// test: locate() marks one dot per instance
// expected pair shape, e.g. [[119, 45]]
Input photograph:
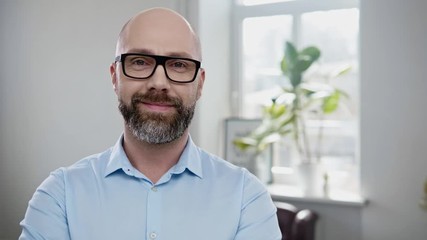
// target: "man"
[[154, 183]]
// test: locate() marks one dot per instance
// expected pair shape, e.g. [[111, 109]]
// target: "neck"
[[153, 160]]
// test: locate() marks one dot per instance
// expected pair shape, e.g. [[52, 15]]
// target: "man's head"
[[156, 75]]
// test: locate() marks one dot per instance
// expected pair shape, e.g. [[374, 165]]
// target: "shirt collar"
[[118, 159], [189, 159]]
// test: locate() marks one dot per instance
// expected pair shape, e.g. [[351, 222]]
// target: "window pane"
[[263, 46], [336, 32]]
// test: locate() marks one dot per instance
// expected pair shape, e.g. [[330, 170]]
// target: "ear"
[[113, 76], [200, 83]]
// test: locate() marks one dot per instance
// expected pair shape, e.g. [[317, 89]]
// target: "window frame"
[[295, 8]]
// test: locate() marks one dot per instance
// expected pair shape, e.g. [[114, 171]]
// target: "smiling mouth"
[[158, 106]]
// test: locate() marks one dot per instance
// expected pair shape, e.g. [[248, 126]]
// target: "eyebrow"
[[170, 54]]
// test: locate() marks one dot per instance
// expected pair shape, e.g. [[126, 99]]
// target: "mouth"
[[158, 106]]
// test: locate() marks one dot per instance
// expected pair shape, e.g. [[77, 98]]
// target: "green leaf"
[[244, 143], [295, 78], [291, 54], [302, 64], [306, 58], [307, 92], [275, 110], [278, 110], [330, 104], [271, 138], [341, 72], [312, 52], [286, 98], [284, 66]]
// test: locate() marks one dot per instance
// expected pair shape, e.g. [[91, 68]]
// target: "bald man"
[[154, 183]]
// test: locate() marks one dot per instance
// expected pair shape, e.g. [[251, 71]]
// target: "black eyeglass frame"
[[160, 60]]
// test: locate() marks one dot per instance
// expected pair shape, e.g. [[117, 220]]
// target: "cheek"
[[191, 96], [126, 89], [198, 91]]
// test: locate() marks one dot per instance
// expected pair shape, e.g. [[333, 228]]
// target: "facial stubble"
[[153, 127]]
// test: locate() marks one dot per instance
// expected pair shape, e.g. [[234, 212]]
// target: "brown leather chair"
[[296, 224]]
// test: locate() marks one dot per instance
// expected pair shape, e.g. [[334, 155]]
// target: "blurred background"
[[57, 104]]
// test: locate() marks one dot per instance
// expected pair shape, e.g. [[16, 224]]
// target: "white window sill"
[[281, 192]]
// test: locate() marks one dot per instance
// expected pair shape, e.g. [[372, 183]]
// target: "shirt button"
[[154, 189], [153, 235]]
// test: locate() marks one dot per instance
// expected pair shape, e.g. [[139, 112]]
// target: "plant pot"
[[311, 179]]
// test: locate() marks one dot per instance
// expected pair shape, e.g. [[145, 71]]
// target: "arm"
[[258, 213], [46, 216]]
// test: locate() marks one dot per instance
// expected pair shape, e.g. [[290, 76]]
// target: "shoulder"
[[219, 168], [214, 163], [87, 167], [95, 163]]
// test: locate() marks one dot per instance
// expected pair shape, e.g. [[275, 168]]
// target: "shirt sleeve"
[[258, 213], [45, 217]]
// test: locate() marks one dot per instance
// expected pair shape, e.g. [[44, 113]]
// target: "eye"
[[139, 61], [179, 64]]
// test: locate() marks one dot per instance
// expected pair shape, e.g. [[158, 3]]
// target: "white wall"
[[214, 30], [393, 118], [56, 99]]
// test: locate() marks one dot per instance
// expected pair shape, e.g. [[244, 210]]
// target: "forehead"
[[161, 36]]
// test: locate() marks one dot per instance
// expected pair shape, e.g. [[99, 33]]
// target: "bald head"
[[159, 31]]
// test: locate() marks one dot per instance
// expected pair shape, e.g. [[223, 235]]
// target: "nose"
[[159, 80]]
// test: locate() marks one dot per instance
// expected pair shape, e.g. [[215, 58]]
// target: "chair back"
[[296, 224]]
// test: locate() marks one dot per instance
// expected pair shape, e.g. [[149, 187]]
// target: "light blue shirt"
[[104, 197]]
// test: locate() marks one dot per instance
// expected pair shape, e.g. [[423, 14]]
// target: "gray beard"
[[156, 128]]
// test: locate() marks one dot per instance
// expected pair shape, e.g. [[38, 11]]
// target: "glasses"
[[143, 66]]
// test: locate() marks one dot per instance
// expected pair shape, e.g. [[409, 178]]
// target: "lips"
[[156, 102], [158, 106], [161, 104]]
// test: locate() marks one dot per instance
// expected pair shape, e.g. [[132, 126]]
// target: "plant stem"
[[320, 140], [305, 139], [295, 112], [301, 138]]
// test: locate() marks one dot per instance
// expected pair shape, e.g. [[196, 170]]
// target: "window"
[[260, 30]]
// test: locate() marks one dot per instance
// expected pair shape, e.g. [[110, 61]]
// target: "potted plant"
[[287, 113]]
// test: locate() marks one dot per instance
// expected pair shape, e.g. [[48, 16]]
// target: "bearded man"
[[154, 183]]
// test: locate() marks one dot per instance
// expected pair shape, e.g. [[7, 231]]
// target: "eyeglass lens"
[[177, 69]]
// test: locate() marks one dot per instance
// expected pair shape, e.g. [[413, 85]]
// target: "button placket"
[[154, 212]]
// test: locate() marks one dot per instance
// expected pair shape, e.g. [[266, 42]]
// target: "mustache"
[[155, 97]]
